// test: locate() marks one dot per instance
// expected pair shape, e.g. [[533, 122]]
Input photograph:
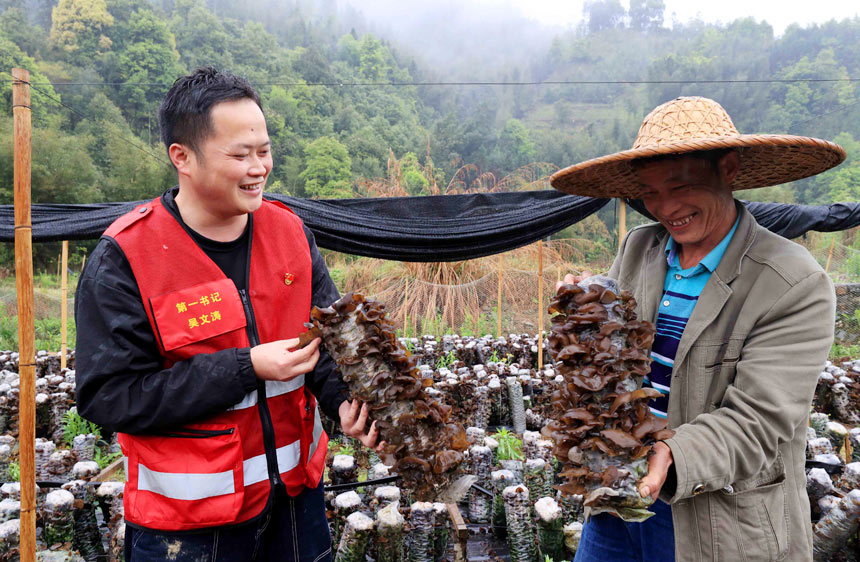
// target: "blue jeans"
[[606, 538], [292, 530]]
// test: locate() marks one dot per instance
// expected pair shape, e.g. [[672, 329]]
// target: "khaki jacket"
[[742, 385]]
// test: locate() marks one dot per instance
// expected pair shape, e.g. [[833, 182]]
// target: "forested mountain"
[[348, 100]]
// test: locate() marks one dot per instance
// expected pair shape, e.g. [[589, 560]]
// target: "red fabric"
[[178, 282]]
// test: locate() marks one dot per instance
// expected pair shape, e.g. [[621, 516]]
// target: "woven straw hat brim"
[[765, 160]]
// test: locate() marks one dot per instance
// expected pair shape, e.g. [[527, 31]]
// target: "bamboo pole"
[[26, 328], [64, 300], [83, 263], [829, 255], [540, 305], [622, 220], [499, 302]]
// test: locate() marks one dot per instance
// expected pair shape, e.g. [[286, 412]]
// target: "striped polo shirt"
[[681, 291]]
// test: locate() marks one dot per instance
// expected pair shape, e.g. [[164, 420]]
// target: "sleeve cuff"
[[247, 375]]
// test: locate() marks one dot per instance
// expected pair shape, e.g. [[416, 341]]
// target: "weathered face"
[[228, 171], [692, 200]]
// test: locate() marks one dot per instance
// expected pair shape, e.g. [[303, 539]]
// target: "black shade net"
[[792, 221], [429, 229]]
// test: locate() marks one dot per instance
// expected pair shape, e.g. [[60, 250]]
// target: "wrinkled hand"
[[658, 468], [353, 420], [571, 279], [277, 361]]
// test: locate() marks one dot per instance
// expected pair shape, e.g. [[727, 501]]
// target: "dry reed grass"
[[457, 296]]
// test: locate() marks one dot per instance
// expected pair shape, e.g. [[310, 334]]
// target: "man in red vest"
[[188, 314]]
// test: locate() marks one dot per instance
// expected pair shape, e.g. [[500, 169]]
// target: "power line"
[[88, 118], [487, 83]]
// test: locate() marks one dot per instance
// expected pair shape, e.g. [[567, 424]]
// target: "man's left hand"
[[353, 420], [658, 468]]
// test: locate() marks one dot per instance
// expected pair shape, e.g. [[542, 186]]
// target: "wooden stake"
[[83, 263], [405, 304], [540, 305], [499, 302], [26, 326], [830, 255], [622, 220], [64, 299]]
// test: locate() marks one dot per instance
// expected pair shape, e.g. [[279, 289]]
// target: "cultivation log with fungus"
[[422, 441], [602, 426]]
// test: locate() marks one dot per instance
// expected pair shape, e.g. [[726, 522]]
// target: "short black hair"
[[184, 114]]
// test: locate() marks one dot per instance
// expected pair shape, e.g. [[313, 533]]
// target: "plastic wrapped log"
[[818, 484], [499, 411], [10, 532], [475, 435], [544, 449], [356, 535], [571, 507], [818, 446], [534, 477], [840, 399], [836, 527], [441, 531], [549, 529], [5, 459], [43, 415], [421, 518], [850, 477], [422, 442], [44, 449], [59, 464], [572, 534], [345, 504], [836, 433], [9, 509], [59, 518], [827, 503], [534, 420], [379, 470], [111, 494], [84, 446], [389, 534], [500, 479], [530, 439], [602, 425], [385, 495], [521, 536], [482, 406], [343, 469], [818, 422], [480, 504], [516, 405]]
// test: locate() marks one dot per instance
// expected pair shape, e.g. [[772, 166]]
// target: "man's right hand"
[[571, 279], [276, 361]]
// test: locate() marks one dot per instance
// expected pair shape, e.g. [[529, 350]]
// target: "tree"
[[78, 29], [646, 15], [327, 169], [603, 14]]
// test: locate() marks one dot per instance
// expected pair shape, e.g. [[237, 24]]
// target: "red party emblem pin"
[[289, 278]]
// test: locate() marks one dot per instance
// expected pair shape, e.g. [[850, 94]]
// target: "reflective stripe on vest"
[[273, 388], [185, 486], [197, 486]]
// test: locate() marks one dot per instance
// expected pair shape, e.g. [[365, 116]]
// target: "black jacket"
[[121, 384]]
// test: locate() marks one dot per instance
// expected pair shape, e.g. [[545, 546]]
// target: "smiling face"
[[225, 176], [692, 199]]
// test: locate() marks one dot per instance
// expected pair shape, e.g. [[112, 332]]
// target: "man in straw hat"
[[744, 325]]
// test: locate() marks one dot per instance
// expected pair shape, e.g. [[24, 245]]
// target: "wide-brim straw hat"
[[691, 124]]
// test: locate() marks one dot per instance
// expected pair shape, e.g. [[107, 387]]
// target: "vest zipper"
[[262, 405]]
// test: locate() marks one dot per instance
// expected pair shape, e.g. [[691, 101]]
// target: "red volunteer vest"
[[216, 472]]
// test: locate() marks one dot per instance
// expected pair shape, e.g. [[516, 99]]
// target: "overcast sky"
[[779, 13]]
